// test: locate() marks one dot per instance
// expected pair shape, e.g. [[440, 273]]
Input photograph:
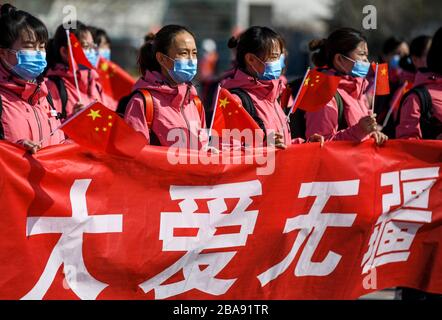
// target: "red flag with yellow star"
[[100, 129], [382, 81], [78, 54], [229, 114], [316, 91], [116, 82]]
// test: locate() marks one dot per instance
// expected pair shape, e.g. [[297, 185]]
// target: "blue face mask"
[[272, 69], [282, 58], [394, 62], [105, 53], [30, 64], [360, 68], [184, 70], [92, 56]]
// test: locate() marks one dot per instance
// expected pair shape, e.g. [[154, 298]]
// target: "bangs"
[[39, 29], [33, 29], [268, 44]]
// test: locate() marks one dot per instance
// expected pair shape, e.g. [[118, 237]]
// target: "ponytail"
[[160, 42]]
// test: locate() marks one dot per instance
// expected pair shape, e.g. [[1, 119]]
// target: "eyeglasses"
[[89, 46]]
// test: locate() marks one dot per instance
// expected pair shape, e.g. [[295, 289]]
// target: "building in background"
[[128, 21]]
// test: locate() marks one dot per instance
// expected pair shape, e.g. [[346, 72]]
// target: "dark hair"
[[341, 41], [407, 64], [159, 42], [60, 40], [14, 22], [434, 60], [418, 46], [391, 44], [99, 34], [255, 40]]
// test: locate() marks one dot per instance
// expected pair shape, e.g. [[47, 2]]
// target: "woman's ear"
[[253, 64], [7, 56], [64, 54], [3, 53], [163, 60], [250, 59], [340, 63]]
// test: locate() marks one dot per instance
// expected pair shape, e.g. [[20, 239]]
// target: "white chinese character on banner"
[[69, 248], [394, 231], [207, 223], [312, 227]]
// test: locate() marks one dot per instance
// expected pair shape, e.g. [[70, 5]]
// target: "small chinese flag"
[[116, 82], [100, 129], [78, 53], [316, 91], [382, 81], [229, 114]]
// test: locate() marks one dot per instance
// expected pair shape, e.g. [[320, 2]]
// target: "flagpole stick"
[[214, 111], [375, 87], [299, 91], [393, 104], [66, 122], [74, 69]]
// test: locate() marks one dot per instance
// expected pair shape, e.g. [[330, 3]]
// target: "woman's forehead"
[[184, 39], [28, 35], [86, 36], [362, 46]]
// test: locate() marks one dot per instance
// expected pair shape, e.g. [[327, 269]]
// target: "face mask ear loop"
[[257, 73]]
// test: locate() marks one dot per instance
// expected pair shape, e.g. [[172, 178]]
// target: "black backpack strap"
[[342, 123], [61, 87], [50, 100], [425, 101], [247, 103], [2, 132], [430, 125]]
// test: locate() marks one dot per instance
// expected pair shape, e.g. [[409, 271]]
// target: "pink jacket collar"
[[263, 90], [155, 82], [84, 76], [427, 78]]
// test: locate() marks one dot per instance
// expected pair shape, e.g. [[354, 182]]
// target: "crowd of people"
[[38, 90]]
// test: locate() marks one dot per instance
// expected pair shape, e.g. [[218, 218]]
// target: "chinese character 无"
[[312, 227]]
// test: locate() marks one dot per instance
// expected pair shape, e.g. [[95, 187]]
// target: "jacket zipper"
[[279, 118], [37, 118], [182, 112]]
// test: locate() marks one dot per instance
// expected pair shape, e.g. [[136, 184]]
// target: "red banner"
[[335, 222]]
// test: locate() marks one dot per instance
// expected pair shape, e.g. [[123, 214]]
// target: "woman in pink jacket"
[[168, 61], [421, 109], [259, 64], [27, 114], [344, 53], [61, 82]]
